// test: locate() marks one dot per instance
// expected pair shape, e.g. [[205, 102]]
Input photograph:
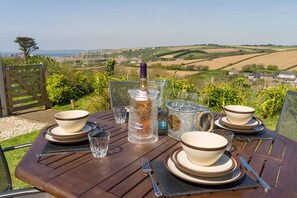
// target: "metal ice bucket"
[[185, 117]]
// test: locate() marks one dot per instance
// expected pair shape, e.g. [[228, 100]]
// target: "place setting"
[[242, 122], [240, 119], [72, 133], [201, 164], [72, 127]]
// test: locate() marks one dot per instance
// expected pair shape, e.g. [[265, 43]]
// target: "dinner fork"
[[147, 169]]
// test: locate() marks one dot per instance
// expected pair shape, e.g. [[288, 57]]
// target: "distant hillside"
[[201, 56]]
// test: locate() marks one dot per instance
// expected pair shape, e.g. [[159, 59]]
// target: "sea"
[[52, 53]]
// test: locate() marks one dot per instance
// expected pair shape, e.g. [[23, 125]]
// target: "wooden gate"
[[23, 88]]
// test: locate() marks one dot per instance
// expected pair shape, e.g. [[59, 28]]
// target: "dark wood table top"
[[120, 175]]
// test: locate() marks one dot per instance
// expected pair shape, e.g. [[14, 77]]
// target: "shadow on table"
[[114, 150]]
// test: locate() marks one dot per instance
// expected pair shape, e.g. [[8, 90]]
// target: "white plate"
[[232, 177], [254, 122], [222, 167], [56, 132], [241, 131], [66, 141]]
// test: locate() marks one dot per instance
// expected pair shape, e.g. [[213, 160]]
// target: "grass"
[[13, 157], [82, 103]]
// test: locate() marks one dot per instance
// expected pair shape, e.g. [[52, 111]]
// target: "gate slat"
[[19, 108], [27, 74], [21, 89], [29, 80], [24, 100]]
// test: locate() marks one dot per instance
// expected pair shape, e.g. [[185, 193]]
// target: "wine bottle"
[[143, 105]]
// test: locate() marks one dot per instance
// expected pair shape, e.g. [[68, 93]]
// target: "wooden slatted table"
[[120, 175]]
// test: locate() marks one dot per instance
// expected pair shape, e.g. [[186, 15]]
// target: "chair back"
[[5, 179], [287, 123], [119, 95], [118, 90]]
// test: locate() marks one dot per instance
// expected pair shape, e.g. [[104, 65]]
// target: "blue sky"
[[102, 24]]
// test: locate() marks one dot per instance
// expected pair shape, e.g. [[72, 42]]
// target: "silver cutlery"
[[147, 169], [262, 182]]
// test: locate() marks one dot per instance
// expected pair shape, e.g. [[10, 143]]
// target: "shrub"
[[222, 94], [272, 99], [181, 85], [241, 83], [58, 88], [12, 61], [272, 67], [252, 68], [82, 84], [110, 66], [98, 103], [61, 88], [100, 83]]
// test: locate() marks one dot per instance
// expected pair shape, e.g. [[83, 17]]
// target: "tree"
[[110, 67], [27, 45]]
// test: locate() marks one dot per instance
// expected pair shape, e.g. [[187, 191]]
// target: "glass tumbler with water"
[[99, 141]]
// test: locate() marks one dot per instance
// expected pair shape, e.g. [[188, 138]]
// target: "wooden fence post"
[[3, 91], [45, 75]]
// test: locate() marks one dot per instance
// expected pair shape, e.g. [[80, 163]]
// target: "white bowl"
[[238, 114], [72, 121], [203, 148]]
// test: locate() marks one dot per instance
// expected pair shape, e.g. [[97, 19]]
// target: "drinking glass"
[[120, 114], [99, 141], [226, 134]]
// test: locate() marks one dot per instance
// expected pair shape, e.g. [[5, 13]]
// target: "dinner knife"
[[262, 182]]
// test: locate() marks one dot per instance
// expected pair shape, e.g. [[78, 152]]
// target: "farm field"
[[220, 50], [213, 64], [283, 60], [178, 61], [224, 61]]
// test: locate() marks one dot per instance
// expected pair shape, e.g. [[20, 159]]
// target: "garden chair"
[[119, 95], [287, 123], [118, 91], [6, 189]]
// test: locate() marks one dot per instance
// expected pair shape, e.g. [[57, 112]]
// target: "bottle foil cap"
[[143, 70]]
